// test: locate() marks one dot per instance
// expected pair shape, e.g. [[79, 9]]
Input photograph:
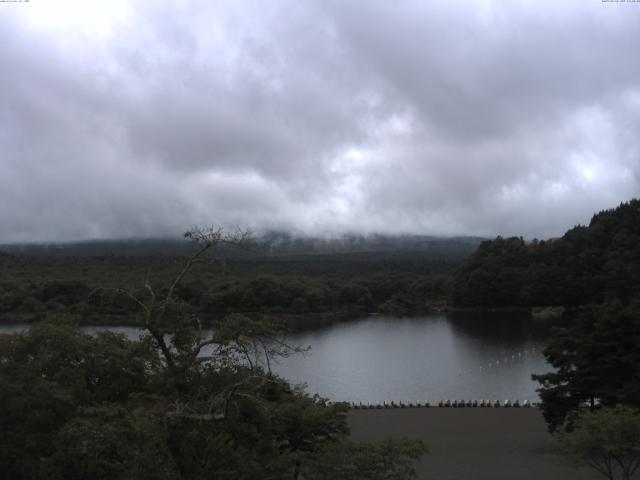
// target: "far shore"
[[473, 443], [293, 321]]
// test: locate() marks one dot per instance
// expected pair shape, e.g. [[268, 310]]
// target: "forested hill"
[[587, 264], [268, 245]]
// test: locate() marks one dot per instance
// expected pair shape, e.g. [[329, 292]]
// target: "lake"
[[457, 356]]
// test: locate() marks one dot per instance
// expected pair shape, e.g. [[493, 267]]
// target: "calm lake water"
[[457, 356]]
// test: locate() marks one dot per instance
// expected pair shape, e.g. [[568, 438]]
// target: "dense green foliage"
[[586, 265], [597, 362], [595, 272], [177, 404], [607, 440], [76, 406], [33, 288]]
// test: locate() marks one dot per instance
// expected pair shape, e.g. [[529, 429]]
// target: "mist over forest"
[[270, 244], [319, 240]]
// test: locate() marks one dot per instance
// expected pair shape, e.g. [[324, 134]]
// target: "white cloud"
[[121, 118]]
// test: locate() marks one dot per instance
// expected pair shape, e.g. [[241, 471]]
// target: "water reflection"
[[424, 358], [466, 355], [499, 327]]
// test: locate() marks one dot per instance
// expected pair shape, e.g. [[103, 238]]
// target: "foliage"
[[300, 289], [52, 372], [586, 265], [593, 270], [180, 403], [607, 440], [596, 361]]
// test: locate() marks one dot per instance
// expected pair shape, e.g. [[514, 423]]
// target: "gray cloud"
[[443, 118]]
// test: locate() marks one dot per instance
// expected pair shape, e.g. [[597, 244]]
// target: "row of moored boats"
[[444, 404]]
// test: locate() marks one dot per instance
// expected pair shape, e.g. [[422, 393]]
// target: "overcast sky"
[[142, 118]]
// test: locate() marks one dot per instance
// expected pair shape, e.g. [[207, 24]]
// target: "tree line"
[[179, 403], [591, 400], [35, 287], [588, 264]]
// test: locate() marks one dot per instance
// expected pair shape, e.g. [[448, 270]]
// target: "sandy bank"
[[473, 443]]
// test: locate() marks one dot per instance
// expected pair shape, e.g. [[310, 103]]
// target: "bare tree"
[[235, 342]]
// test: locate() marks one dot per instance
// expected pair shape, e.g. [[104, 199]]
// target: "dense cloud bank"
[[143, 118]]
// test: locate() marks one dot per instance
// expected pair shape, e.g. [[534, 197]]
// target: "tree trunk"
[[296, 470]]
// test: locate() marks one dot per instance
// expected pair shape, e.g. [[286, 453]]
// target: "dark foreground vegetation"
[[75, 406], [594, 273], [592, 398], [177, 404]]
